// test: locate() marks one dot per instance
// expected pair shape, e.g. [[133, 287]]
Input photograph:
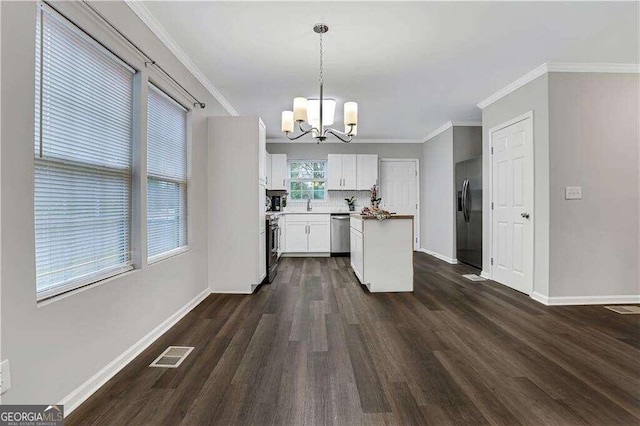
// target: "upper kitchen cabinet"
[[268, 171], [342, 171], [262, 151], [278, 180], [367, 171]]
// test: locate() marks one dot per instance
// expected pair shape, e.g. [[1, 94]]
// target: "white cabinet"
[[367, 171], [307, 233], [341, 171], [236, 224], [319, 237], [278, 180], [262, 152], [357, 253], [268, 170], [296, 237]]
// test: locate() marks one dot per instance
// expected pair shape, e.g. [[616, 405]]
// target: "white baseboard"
[[485, 275], [85, 390], [585, 300], [439, 256]]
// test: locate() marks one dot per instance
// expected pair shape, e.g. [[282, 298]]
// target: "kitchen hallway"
[[315, 347]]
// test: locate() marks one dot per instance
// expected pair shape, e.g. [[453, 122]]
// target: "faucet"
[[309, 208]]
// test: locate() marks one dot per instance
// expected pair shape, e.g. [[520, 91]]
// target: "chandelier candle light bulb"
[[318, 113], [287, 121]]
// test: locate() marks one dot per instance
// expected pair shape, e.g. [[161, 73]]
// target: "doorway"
[[400, 190], [512, 203]]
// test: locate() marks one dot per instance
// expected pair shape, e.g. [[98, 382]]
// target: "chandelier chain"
[[321, 64]]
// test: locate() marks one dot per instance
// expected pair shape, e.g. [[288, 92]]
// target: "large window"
[[166, 175], [83, 149], [307, 180]]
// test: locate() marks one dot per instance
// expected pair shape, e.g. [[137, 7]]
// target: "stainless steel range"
[[273, 241]]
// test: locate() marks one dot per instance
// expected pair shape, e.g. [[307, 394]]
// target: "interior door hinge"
[[492, 150], [492, 260], [492, 205]]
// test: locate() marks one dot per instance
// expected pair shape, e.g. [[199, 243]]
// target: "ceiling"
[[411, 66]]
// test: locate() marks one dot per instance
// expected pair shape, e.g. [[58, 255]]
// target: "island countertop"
[[393, 216]]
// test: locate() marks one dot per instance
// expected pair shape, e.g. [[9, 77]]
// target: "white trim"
[[594, 67], [85, 390], [416, 217], [436, 132], [168, 254], [154, 25], [486, 275], [559, 67], [585, 300], [519, 118], [307, 254], [439, 256], [467, 123], [355, 141]]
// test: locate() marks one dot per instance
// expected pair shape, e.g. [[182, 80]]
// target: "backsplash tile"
[[336, 199]]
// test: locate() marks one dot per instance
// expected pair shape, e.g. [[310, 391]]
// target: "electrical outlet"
[[5, 376], [573, 193]]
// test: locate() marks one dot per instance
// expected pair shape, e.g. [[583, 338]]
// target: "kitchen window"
[[166, 175], [83, 159], [307, 180]]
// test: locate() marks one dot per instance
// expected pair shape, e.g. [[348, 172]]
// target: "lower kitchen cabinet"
[[307, 233], [357, 258]]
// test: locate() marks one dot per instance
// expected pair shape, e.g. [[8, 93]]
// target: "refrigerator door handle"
[[465, 186], [467, 202]]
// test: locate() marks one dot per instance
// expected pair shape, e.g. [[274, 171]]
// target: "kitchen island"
[[382, 252]]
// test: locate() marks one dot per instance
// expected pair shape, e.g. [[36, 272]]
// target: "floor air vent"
[[172, 357], [625, 310], [474, 277]]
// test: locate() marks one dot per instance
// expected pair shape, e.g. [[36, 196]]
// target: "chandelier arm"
[[296, 137], [338, 134]]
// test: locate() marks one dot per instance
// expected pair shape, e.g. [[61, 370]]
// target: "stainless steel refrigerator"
[[469, 212]]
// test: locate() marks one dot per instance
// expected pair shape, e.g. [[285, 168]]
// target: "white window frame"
[[290, 180], [86, 280], [188, 150]]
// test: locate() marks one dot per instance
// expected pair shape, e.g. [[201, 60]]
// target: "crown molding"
[[467, 123], [156, 27], [355, 141], [436, 132], [559, 67]]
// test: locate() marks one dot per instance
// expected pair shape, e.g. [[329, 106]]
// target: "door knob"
[[525, 215]]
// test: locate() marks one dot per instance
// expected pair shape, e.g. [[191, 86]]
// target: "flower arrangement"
[[376, 212], [375, 200]]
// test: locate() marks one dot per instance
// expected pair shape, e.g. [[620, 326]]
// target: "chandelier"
[[318, 113]]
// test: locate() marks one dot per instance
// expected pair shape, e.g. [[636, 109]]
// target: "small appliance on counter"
[[276, 203]]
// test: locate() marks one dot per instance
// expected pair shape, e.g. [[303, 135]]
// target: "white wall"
[[438, 201], [54, 348], [586, 129], [533, 96], [594, 132]]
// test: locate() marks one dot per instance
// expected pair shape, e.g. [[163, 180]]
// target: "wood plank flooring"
[[315, 347]]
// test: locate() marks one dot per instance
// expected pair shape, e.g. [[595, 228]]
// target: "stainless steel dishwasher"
[[340, 242]]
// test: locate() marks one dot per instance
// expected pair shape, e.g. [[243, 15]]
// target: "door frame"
[[517, 119], [416, 242]]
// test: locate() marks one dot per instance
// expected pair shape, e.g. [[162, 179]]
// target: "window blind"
[[166, 174], [83, 149]]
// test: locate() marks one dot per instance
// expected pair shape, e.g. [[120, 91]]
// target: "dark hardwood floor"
[[316, 348]]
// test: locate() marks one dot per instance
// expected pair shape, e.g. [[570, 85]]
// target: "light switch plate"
[[573, 193], [5, 376]]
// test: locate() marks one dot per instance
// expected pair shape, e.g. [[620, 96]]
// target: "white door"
[[367, 171], [278, 171], [512, 221], [334, 171], [319, 237], [296, 237], [399, 190], [349, 171]]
